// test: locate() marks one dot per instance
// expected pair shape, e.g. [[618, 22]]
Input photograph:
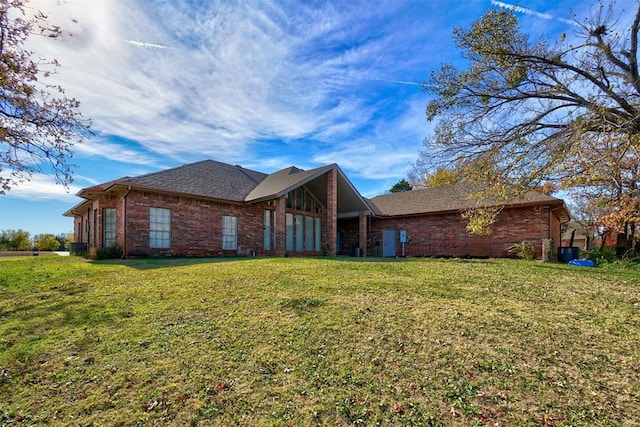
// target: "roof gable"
[[281, 182]]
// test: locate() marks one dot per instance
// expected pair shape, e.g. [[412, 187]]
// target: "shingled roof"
[[444, 199], [222, 181], [207, 178]]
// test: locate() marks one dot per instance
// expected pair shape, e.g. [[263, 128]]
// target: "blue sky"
[[262, 84]]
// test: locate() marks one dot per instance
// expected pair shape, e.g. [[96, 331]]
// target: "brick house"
[[210, 208]]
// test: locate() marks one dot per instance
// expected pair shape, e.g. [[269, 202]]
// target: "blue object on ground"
[[582, 263]]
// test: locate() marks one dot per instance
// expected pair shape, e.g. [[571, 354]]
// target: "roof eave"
[[74, 210], [123, 185]]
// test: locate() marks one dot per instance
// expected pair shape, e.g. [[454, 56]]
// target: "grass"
[[286, 341]]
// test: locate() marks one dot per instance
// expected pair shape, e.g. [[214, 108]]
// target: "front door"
[[389, 242]]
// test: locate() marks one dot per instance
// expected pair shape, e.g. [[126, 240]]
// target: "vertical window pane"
[[229, 232], [109, 227], [289, 231], [159, 228], [308, 236], [267, 230], [299, 196], [318, 232], [299, 233]]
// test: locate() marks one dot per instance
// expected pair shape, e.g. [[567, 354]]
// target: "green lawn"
[[287, 341]]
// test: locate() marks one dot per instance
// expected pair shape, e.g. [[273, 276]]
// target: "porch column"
[[280, 243], [363, 234], [332, 211]]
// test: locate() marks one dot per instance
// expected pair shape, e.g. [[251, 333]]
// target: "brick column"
[[280, 242], [332, 211], [363, 234]]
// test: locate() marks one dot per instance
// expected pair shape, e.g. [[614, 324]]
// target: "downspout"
[[124, 222]]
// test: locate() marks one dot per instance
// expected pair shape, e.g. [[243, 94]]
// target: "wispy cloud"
[[388, 150], [43, 187], [530, 12], [145, 45], [103, 147], [400, 82], [235, 73], [521, 9]]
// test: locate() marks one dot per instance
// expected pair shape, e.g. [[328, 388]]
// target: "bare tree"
[[527, 112], [38, 124]]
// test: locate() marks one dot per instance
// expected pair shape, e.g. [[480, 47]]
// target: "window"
[[308, 236], [299, 194], [318, 231], [268, 229], [299, 235], [301, 200], [289, 231], [94, 236], [159, 228], [229, 233], [109, 227], [303, 231]]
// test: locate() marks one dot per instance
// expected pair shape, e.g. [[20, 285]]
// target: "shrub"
[[110, 252], [524, 250], [601, 255]]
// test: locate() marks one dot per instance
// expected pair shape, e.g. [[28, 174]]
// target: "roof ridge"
[[245, 173], [167, 170]]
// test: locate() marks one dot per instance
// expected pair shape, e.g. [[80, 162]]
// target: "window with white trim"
[[159, 228], [229, 232]]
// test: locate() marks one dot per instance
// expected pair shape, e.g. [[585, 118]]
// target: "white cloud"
[[42, 187], [530, 12], [100, 147], [217, 79], [145, 45], [521, 9], [388, 150], [233, 73]]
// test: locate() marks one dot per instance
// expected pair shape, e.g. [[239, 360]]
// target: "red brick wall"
[[83, 226], [329, 224], [196, 226], [446, 234], [79, 234], [348, 228]]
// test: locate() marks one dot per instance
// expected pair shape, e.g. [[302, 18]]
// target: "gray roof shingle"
[[443, 199], [207, 178]]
